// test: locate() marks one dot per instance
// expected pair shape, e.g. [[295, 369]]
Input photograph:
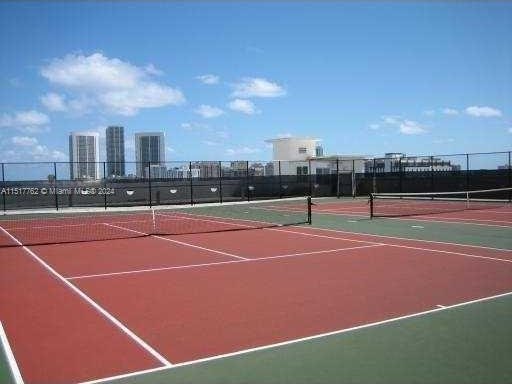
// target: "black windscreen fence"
[[61, 185]]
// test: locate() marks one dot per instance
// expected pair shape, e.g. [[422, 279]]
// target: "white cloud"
[[409, 127], [244, 106], [208, 79], [194, 126], [58, 103], [429, 112], [450, 111], [54, 102], [24, 141], [510, 130], [374, 126], [25, 148], [170, 149], [483, 111], [406, 127], [241, 151], [208, 112], [210, 143], [116, 86], [257, 87], [152, 70], [222, 134], [392, 120], [27, 121]]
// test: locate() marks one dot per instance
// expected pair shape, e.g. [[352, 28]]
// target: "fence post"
[[374, 180], [220, 182], [509, 175], [105, 185], [310, 178], [280, 180], [400, 175], [337, 177], [149, 185], [3, 186], [191, 183], [247, 191], [432, 188], [56, 194], [467, 172], [354, 185]]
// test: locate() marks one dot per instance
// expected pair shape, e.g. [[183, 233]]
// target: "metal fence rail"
[[64, 184]]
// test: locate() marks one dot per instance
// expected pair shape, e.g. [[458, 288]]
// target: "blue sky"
[[220, 78]]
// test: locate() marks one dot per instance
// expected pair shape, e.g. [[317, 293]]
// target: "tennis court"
[[270, 291]]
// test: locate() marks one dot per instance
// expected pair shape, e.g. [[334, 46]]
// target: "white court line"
[[413, 218], [405, 246], [394, 245], [418, 226], [77, 225], [15, 371], [402, 238], [280, 229], [440, 306], [179, 242], [222, 262], [426, 218], [95, 305], [299, 340], [361, 234]]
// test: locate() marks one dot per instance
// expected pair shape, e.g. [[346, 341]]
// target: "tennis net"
[[55, 228], [416, 204]]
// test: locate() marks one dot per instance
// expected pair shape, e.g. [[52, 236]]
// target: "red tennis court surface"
[[85, 311], [497, 216]]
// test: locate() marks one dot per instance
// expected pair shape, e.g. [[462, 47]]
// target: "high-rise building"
[[115, 151], [84, 156], [149, 149]]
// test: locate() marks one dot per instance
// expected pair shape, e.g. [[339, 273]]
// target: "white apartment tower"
[[84, 156], [149, 149]]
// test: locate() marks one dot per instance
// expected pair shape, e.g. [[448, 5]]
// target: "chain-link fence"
[[64, 184]]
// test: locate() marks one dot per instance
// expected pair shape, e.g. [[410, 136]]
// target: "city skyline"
[[343, 71]]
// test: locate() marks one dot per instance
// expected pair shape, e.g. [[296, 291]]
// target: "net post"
[[310, 178], [3, 186], [105, 185], [337, 177], [191, 183], [55, 178], [247, 180], [149, 184], [371, 206], [220, 182], [280, 180], [309, 209]]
